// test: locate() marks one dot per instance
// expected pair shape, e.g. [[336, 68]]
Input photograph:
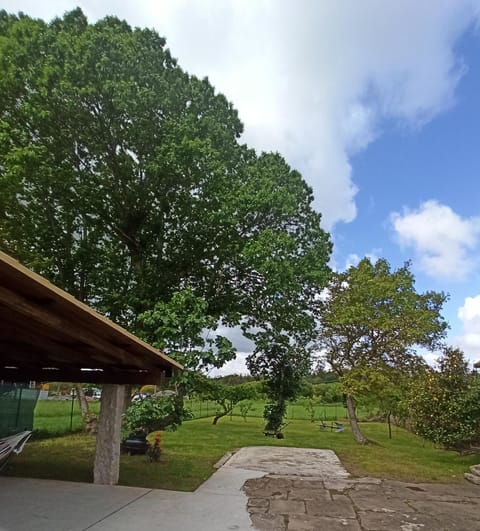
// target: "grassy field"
[[300, 410], [188, 455], [56, 418]]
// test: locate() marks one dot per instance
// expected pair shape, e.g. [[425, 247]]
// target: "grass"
[[299, 410], [56, 418], [188, 455]]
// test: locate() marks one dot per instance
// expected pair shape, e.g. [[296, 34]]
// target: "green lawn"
[[188, 455], [298, 410], [56, 418]]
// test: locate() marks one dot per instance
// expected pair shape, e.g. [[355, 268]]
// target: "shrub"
[[155, 414], [444, 405]]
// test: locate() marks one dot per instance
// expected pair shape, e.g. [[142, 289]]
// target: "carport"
[[48, 335]]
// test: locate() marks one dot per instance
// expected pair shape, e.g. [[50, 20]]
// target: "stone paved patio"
[[294, 503]]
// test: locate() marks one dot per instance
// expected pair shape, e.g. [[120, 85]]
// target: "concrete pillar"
[[107, 455]]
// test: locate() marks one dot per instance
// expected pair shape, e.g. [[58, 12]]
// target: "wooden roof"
[[48, 335]]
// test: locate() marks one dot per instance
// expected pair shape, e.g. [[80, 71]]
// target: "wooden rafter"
[[48, 335]]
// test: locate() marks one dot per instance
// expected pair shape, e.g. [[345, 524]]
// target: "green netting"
[[17, 404]]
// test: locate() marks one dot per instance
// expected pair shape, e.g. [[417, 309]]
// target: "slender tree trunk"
[[218, 416], [82, 401], [128, 397], [89, 419], [359, 437], [389, 425]]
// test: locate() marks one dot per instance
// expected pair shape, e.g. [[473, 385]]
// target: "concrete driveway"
[[271, 488]]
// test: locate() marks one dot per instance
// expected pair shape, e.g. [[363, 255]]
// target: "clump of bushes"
[[444, 403]]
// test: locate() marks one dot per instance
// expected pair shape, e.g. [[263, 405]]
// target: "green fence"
[[17, 405]]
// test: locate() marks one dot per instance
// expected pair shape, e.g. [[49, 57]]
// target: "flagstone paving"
[[294, 503]]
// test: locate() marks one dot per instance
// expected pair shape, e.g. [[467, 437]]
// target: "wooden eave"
[[48, 335]]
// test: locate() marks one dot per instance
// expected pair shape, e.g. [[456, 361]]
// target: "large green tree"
[[372, 320], [123, 181]]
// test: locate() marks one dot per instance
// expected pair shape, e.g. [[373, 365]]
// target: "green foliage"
[[245, 407], [123, 179], [328, 393], [153, 414], [306, 389], [226, 396], [123, 182], [234, 379], [372, 319], [274, 413], [444, 405], [182, 328], [283, 360]]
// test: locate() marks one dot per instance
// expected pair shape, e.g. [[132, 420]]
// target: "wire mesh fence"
[[300, 411]]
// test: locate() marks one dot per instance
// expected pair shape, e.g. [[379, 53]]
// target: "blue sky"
[[405, 168], [376, 103]]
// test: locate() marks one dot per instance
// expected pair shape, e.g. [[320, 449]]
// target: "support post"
[[107, 455]]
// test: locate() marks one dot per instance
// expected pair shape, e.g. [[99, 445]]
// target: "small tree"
[[444, 405], [245, 407], [384, 391], [371, 321], [283, 361], [227, 396]]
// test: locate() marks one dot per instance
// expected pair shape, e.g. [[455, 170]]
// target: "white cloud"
[[236, 366], [353, 259], [315, 82], [469, 315], [311, 79], [444, 242]]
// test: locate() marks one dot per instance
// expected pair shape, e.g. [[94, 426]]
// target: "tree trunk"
[[389, 425], [90, 424], [82, 401], [359, 437], [128, 397], [218, 416]]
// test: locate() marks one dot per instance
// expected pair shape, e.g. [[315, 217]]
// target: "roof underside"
[[47, 335]]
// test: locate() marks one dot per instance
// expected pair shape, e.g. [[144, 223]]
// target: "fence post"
[[71, 411], [17, 416]]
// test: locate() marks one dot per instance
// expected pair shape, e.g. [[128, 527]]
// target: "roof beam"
[[27, 374], [46, 318]]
